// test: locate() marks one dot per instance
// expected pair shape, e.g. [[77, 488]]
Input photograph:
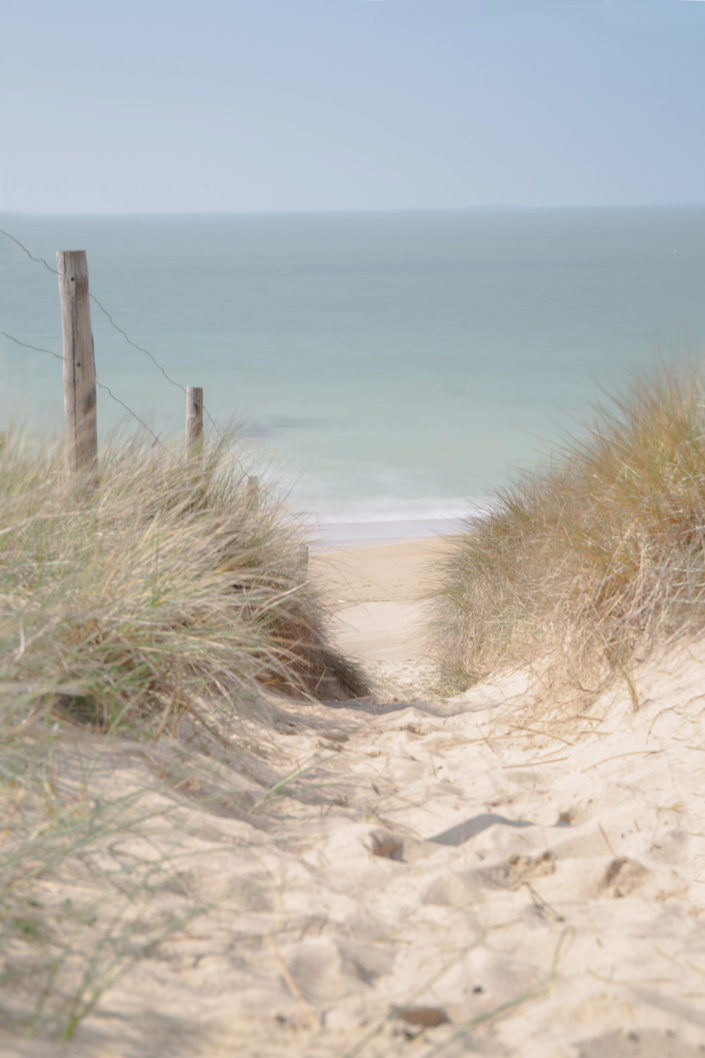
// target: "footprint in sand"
[[623, 876], [517, 869]]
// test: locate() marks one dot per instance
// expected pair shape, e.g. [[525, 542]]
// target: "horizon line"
[[497, 207]]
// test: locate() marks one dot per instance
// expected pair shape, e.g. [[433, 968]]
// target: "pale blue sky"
[[167, 105]]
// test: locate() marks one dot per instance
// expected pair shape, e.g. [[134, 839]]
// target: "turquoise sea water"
[[386, 366]]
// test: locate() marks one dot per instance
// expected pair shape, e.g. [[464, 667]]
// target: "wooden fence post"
[[79, 364], [194, 418]]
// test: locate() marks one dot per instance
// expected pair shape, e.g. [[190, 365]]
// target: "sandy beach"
[[408, 874], [378, 601]]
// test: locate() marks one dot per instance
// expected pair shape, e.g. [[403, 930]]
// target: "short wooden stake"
[[194, 418], [79, 364]]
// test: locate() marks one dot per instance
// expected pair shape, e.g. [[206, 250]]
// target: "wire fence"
[[101, 385], [119, 330]]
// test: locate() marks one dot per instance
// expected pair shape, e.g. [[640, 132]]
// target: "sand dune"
[[416, 877]]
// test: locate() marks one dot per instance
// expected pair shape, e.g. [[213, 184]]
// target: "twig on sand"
[[292, 985], [534, 763], [618, 756], [607, 841]]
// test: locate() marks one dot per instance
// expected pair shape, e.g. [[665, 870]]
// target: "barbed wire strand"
[[34, 348], [101, 385], [39, 260], [123, 333]]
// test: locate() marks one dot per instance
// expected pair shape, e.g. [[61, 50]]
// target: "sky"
[[289, 105]]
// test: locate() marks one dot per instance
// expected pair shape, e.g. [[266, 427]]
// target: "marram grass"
[[170, 592], [170, 582], [586, 566]]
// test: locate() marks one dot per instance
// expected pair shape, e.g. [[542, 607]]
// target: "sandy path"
[[432, 878], [379, 599]]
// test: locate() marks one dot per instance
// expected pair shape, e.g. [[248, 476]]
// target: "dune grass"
[[171, 592], [169, 583], [78, 905], [587, 565]]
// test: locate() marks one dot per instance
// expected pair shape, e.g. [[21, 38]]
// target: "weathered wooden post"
[[79, 365], [194, 419]]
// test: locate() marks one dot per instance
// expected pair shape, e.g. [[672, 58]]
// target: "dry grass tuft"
[[169, 592], [588, 565], [168, 584]]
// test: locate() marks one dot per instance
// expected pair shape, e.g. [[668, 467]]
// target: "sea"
[[388, 372]]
